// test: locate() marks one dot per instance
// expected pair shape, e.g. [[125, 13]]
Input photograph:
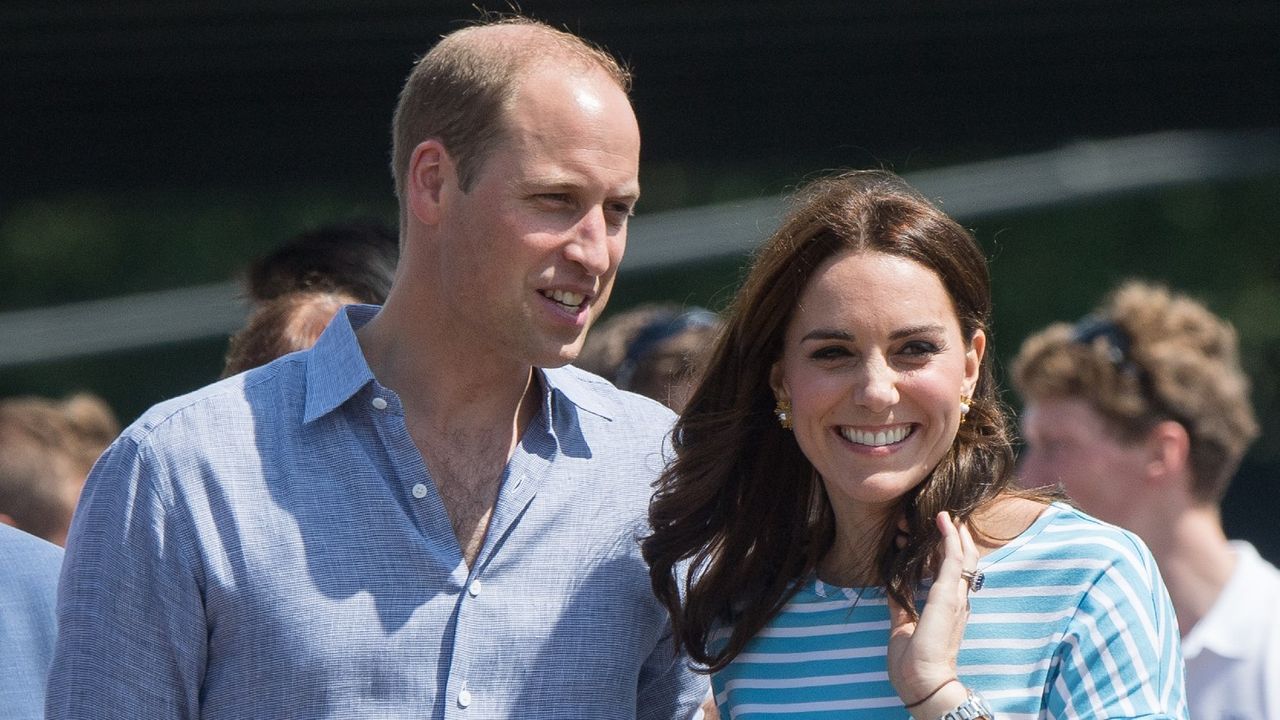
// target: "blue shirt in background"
[[272, 546], [28, 586]]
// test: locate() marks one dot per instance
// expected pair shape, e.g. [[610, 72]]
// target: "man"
[[28, 581], [425, 515], [1142, 412]]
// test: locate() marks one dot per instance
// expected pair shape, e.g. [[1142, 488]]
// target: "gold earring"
[[783, 411], [965, 405]]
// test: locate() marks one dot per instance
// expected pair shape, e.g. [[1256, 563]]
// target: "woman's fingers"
[[923, 654], [900, 622], [953, 555], [946, 607], [969, 548]]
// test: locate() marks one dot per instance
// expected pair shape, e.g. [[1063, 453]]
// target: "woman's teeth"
[[877, 438]]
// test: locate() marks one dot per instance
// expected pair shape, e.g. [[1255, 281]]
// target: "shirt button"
[[475, 587], [419, 491], [379, 403], [464, 698]]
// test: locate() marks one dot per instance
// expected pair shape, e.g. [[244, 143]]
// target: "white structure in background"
[[1075, 172]]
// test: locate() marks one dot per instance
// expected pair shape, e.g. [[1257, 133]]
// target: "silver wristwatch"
[[973, 708]]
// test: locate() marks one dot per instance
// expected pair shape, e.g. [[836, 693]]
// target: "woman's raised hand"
[[922, 653]]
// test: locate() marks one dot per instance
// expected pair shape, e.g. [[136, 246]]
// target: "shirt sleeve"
[[668, 689], [1120, 656], [132, 632]]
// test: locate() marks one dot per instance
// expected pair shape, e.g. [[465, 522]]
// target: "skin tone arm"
[[922, 653]]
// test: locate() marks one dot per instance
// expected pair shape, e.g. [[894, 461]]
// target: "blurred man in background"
[[1141, 411], [46, 449], [657, 350], [296, 289], [28, 584]]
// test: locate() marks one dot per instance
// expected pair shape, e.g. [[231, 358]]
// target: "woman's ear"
[[776, 382], [973, 360]]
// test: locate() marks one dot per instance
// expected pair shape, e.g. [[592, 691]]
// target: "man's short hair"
[[44, 446], [1147, 355], [458, 92]]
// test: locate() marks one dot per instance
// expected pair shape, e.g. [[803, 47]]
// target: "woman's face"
[[874, 364]]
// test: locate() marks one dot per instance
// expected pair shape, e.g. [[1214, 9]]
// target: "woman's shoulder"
[[1058, 530]]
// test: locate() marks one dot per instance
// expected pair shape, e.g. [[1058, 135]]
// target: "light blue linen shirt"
[[272, 546], [28, 583]]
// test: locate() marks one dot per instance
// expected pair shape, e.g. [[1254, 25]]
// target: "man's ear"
[[1168, 453], [430, 167]]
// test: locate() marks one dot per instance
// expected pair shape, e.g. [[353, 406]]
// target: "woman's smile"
[[874, 365], [876, 438]]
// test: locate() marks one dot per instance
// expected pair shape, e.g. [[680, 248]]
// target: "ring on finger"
[[975, 578]]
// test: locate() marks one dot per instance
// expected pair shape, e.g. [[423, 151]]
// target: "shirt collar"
[[336, 368], [581, 389], [1230, 628]]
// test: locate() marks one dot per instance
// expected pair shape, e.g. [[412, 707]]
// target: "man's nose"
[[590, 245]]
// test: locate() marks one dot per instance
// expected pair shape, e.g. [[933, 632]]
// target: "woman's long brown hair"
[[740, 518]]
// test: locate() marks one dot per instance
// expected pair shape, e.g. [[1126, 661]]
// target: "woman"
[[840, 504]]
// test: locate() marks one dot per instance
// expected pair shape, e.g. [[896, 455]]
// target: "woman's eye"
[[829, 353], [919, 348]]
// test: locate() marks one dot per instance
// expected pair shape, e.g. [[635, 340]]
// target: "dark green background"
[[155, 145]]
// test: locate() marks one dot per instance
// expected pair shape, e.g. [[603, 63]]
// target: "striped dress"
[[1073, 622]]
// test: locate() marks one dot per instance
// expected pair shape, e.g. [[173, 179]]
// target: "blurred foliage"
[[85, 246]]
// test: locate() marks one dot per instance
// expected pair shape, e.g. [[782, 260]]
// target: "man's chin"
[[564, 355]]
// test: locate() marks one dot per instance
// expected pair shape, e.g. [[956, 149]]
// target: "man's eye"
[[616, 215]]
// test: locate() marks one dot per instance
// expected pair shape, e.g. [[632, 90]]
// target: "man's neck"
[[1195, 560], [465, 418], [441, 380]]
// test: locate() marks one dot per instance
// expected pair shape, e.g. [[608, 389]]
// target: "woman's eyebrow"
[[825, 334], [916, 330]]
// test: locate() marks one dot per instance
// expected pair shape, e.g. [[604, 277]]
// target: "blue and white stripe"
[[1073, 622]]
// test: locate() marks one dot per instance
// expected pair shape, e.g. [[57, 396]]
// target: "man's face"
[[533, 248], [1069, 442]]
